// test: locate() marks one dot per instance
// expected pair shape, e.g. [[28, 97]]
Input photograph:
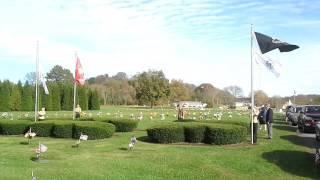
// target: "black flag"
[[267, 44]]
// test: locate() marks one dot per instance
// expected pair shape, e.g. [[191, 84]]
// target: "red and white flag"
[[79, 76]]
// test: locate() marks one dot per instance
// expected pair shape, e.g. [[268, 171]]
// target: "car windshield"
[[298, 109], [313, 109]]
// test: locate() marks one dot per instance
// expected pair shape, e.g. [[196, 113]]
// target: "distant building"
[[190, 104], [242, 103]]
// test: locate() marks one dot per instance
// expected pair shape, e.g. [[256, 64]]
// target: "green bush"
[[170, 133], [14, 127], [42, 128], [220, 135], [124, 125], [94, 130], [63, 129], [194, 133]]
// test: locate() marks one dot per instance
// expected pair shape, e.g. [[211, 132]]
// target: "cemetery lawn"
[[286, 156]]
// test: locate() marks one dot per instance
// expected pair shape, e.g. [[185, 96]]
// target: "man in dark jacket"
[[269, 120]]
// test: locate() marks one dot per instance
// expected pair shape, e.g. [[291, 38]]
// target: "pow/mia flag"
[[267, 44]]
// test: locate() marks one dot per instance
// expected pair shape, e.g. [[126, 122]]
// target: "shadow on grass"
[[279, 121], [123, 149], [294, 162], [285, 128], [144, 139], [186, 120], [24, 143], [301, 141]]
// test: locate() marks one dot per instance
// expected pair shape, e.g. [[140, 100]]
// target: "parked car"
[[293, 115], [317, 155], [308, 118], [287, 111]]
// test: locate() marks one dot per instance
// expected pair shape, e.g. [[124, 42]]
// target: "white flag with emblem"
[[274, 66]]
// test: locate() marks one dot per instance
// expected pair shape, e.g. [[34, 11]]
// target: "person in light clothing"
[[255, 124], [78, 111], [42, 114]]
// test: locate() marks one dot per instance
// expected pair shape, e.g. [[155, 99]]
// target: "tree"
[[207, 93], [55, 96], [26, 101], [179, 92], [236, 91], [46, 100], [67, 97], [260, 97], [82, 98], [59, 74], [15, 98], [151, 87], [120, 76], [5, 96], [94, 103], [31, 78]]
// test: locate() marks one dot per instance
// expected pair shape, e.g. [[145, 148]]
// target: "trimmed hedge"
[[195, 133], [14, 127], [63, 129], [124, 125], [198, 132], [225, 134], [95, 130], [42, 129], [171, 133]]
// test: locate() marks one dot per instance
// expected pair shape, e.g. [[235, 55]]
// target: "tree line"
[[18, 97], [149, 88]]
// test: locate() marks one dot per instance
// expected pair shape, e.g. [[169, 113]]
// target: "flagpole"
[[252, 93], [37, 77], [74, 91]]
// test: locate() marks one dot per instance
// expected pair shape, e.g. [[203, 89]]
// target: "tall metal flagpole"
[[37, 88], [252, 93], [74, 90]]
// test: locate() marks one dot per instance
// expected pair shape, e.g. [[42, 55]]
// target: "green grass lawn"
[[286, 156]]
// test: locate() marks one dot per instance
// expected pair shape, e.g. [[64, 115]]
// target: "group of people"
[[264, 117], [42, 113]]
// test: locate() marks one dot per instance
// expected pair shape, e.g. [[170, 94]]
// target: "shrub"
[[43, 128], [225, 134], [63, 129], [14, 127], [94, 130], [170, 133], [124, 125], [194, 133]]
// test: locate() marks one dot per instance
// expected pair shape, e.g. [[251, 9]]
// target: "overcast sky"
[[196, 41]]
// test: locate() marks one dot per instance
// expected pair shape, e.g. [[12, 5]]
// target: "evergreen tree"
[[55, 97], [67, 97], [5, 96], [82, 98], [46, 99], [94, 103], [26, 100], [15, 103]]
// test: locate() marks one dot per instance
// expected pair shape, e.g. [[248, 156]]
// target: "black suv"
[[308, 118]]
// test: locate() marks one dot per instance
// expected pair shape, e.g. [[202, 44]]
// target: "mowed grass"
[[286, 156]]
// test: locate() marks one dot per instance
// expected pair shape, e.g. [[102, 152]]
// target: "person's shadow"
[[294, 162]]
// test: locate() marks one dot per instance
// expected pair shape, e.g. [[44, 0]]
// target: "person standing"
[[255, 124], [78, 111], [269, 120]]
